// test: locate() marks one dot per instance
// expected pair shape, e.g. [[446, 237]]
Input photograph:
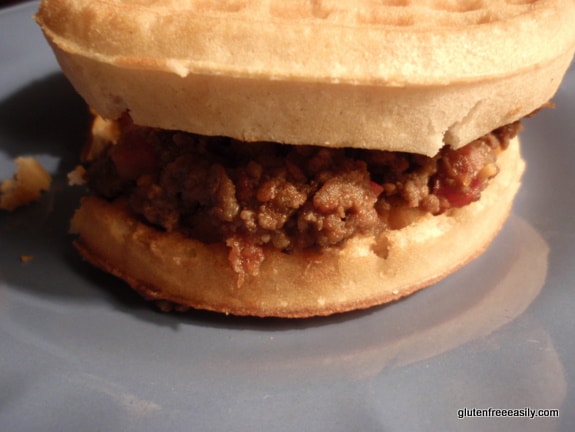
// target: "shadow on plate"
[[45, 117]]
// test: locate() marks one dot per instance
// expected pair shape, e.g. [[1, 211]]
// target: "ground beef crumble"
[[258, 195]]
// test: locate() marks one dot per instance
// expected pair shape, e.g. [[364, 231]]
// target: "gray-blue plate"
[[80, 352]]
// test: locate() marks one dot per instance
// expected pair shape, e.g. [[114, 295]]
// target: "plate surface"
[[80, 351]]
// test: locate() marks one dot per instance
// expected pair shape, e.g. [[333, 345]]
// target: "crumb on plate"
[[26, 258], [26, 186]]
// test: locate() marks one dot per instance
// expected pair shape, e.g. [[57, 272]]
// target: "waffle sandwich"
[[301, 158]]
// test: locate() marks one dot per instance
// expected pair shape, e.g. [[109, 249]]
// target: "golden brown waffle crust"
[[173, 268], [398, 42], [396, 75]]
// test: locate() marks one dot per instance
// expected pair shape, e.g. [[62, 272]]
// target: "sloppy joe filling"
[[257, 195]]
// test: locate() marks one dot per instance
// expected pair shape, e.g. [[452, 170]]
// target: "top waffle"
[[393, 75], [396, 42]]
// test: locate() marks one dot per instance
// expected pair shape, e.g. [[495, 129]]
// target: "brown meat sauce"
[[257, 195]]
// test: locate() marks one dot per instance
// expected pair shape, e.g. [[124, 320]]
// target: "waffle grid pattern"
[[393, 13]]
